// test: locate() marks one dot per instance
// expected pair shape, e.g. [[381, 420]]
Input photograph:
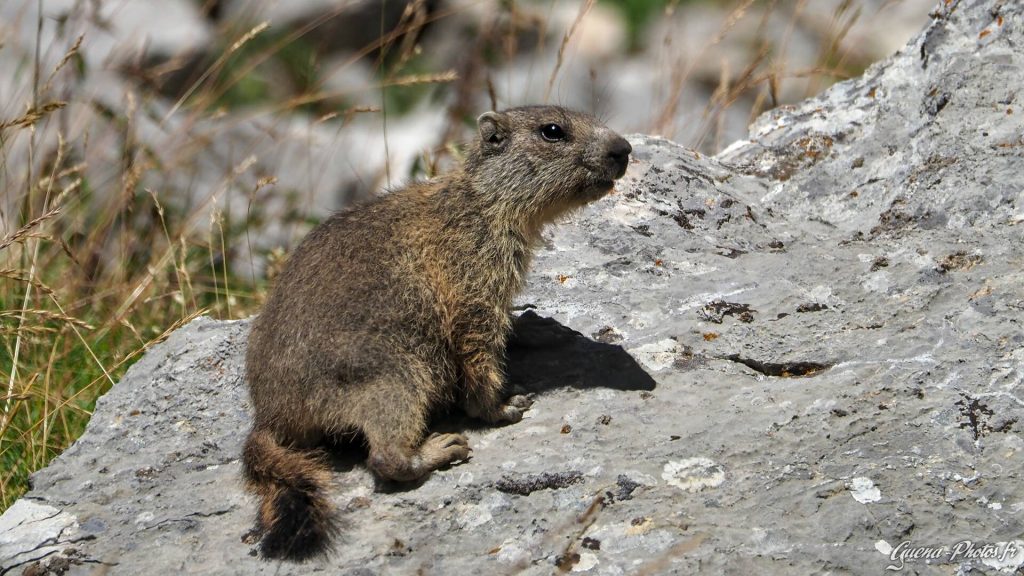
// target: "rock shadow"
[[543, 354]]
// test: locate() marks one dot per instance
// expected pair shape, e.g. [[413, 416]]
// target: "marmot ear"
[[493, 133]]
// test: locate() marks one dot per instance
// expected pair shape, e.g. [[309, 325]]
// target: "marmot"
[[392, 309]]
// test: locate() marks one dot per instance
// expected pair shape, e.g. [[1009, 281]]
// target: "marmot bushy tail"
[[295, 518], [400, 307]]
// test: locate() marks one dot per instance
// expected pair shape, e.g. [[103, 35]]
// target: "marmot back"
[[392, 309]]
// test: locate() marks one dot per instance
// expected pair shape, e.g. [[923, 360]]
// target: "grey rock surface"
[[789, 359]]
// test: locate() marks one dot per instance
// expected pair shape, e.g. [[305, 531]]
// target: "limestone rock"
[[790, 359]]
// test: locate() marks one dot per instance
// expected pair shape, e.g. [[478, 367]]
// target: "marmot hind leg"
[[403, 460], [395, 434], [392, 412]]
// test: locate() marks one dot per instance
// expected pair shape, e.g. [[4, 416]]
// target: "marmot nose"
[[618, 153]]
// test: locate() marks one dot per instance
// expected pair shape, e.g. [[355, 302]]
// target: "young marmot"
[[390, 310]]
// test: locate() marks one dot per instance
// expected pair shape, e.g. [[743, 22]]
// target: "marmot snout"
[[390, 310]]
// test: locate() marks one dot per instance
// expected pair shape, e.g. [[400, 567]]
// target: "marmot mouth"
[[600, 181], [597, 188]]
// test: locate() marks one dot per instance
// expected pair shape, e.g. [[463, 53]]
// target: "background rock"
[[136, 69], [823, 358]]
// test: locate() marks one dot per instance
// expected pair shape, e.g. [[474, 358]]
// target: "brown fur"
[[392, 309]]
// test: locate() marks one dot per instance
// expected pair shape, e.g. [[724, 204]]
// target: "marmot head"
[[545, 160]]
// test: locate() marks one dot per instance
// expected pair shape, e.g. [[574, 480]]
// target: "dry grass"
[[74, 317], [93, 273]]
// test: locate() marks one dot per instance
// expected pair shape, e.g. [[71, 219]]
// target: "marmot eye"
[[552, 132]]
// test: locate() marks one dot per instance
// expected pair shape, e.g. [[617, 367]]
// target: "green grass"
[[46, 415]]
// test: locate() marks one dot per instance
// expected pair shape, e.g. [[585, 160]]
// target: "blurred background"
[[158, 158]]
